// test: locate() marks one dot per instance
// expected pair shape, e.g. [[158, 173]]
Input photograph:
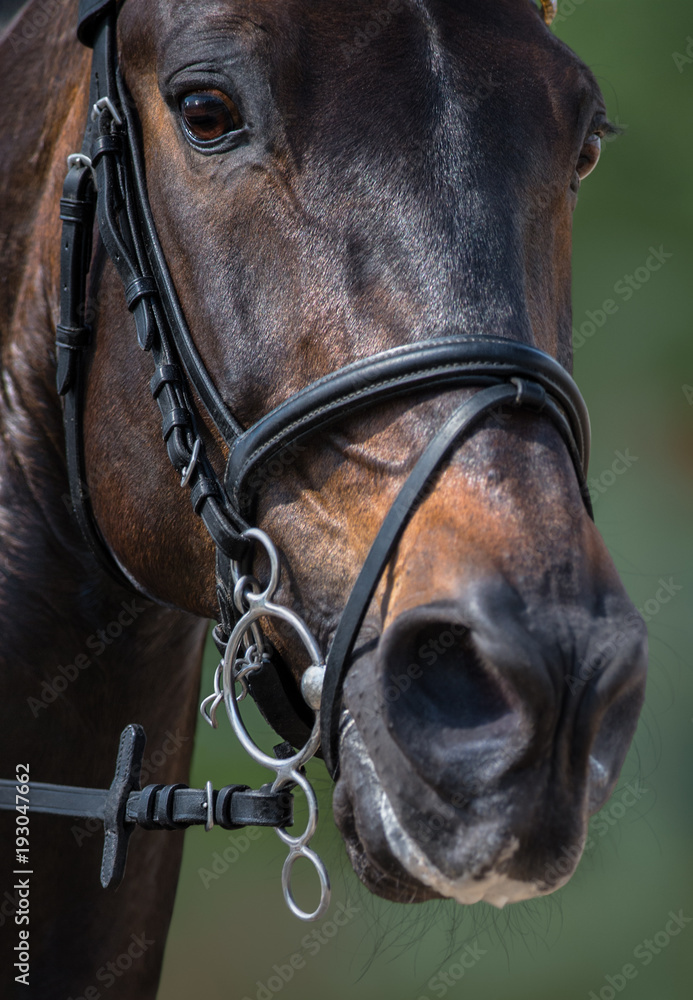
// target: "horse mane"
[[38, 45]]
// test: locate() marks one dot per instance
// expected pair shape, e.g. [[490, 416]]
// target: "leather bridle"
[[108, 178], [109, 173]]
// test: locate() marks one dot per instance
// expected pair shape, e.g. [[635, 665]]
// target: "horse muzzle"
[[477, 740]]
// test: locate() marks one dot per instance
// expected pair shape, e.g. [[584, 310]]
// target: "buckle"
[[105, 104]]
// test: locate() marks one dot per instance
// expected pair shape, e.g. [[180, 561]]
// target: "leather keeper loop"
[[137, 290], [164, 808], [202, 489], [177, 448], [105, 145], [529, 394], [146, 807], [72, 337], [227, 537], [164, 375], [76, 211], [222, 806], [177, 417]]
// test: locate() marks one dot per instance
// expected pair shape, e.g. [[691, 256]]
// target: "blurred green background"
[[228, 935]]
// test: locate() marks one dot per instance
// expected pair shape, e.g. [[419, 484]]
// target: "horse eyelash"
[[607, 127]]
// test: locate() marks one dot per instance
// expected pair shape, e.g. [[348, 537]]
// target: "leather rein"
[[106, 181]]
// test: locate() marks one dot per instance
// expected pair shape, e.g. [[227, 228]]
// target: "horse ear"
[[549, 9]]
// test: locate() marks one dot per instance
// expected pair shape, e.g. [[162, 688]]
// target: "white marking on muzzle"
[[494, 887]]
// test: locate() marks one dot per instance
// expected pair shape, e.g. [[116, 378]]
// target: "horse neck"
[[44, 75]]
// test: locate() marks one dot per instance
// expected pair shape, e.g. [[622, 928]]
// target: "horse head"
[[329, 181]]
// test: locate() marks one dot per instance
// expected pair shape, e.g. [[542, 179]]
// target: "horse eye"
[[210, 115], [589, 155]]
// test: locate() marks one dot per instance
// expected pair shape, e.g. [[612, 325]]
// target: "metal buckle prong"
[[81, 160], [78, 160], [106, 104], [190, 467]]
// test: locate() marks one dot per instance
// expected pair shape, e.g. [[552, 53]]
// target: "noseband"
[[107, 178]]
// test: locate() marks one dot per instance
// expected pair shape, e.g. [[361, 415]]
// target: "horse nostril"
[[448, 710], [443, 676]]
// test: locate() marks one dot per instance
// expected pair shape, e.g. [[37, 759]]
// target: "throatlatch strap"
[[73, 334]]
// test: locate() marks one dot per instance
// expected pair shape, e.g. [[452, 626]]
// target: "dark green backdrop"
[[633, 366]]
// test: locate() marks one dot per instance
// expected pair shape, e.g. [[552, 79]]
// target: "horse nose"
[[475, 690], [451, 710]]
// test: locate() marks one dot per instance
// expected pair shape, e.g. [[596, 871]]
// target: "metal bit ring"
[[254, 603]]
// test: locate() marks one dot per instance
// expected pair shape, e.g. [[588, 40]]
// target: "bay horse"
[[329, 181]]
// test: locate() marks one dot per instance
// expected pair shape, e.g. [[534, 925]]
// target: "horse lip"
[[492, 886], [394, 884]]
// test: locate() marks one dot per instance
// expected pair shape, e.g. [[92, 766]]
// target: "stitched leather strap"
[[192, 363], [528, 395], [73, 334], [448, 362]]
